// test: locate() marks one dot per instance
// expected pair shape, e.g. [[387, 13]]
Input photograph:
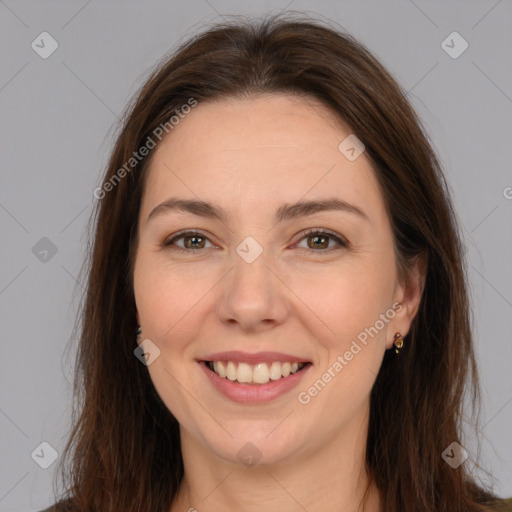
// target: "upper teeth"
[[260, 373]]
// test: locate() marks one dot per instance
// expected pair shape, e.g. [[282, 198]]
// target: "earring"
[[398, 343], [138, 332]]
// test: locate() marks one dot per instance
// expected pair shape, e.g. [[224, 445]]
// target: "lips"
[[262, 376]]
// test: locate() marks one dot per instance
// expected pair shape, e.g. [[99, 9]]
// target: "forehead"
[[261, 121], [259, 150]]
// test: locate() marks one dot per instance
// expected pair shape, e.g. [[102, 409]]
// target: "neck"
[[331, 476]]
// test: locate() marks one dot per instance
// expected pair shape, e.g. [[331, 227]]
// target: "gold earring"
[[398, 343]]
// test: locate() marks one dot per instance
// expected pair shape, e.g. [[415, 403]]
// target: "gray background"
[[58, 116]]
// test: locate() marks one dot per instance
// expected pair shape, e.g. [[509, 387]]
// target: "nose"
[[252, 296]]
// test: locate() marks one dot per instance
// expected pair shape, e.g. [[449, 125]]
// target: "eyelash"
[[307, 234]]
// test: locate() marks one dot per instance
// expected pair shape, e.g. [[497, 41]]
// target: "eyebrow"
[[284, 212]]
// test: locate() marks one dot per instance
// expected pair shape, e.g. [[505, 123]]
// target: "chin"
[[256, 445]]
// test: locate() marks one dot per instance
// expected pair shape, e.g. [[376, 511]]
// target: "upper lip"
[[253, 358]]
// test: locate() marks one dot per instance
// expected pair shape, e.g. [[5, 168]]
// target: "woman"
[[275, 228]]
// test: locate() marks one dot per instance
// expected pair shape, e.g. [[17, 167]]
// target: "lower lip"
[[253, 393]]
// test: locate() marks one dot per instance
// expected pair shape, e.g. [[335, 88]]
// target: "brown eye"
[[319, 241], [191, 241]]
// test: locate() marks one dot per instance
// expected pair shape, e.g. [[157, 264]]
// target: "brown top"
[[63, 506], [505, 506]]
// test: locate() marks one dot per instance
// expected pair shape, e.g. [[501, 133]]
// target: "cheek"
[[168, 297], [349, 304], [170, 307], [344, 300]]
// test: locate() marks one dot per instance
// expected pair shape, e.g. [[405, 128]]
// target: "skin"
[[250, 156]]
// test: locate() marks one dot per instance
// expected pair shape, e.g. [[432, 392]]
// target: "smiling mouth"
[[260, 373]]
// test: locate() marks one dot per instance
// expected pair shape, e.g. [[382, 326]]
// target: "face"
[[241, 291]]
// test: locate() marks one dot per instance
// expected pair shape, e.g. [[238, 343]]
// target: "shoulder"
[[504, 505], [61, 506]]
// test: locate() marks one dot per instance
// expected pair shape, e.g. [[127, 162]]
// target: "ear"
[[409, 296]]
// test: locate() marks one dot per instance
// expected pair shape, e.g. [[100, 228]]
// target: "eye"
[[192, 241], [320, 240]]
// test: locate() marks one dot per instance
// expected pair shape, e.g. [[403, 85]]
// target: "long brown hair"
[[124, 452]]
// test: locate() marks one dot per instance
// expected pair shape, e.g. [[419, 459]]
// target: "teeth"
[[244, 373], [231, 371], [275, 370], [219, 369], [260, 373]]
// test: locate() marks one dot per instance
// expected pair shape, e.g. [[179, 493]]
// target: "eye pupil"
[[192, 239], [316, 238]]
